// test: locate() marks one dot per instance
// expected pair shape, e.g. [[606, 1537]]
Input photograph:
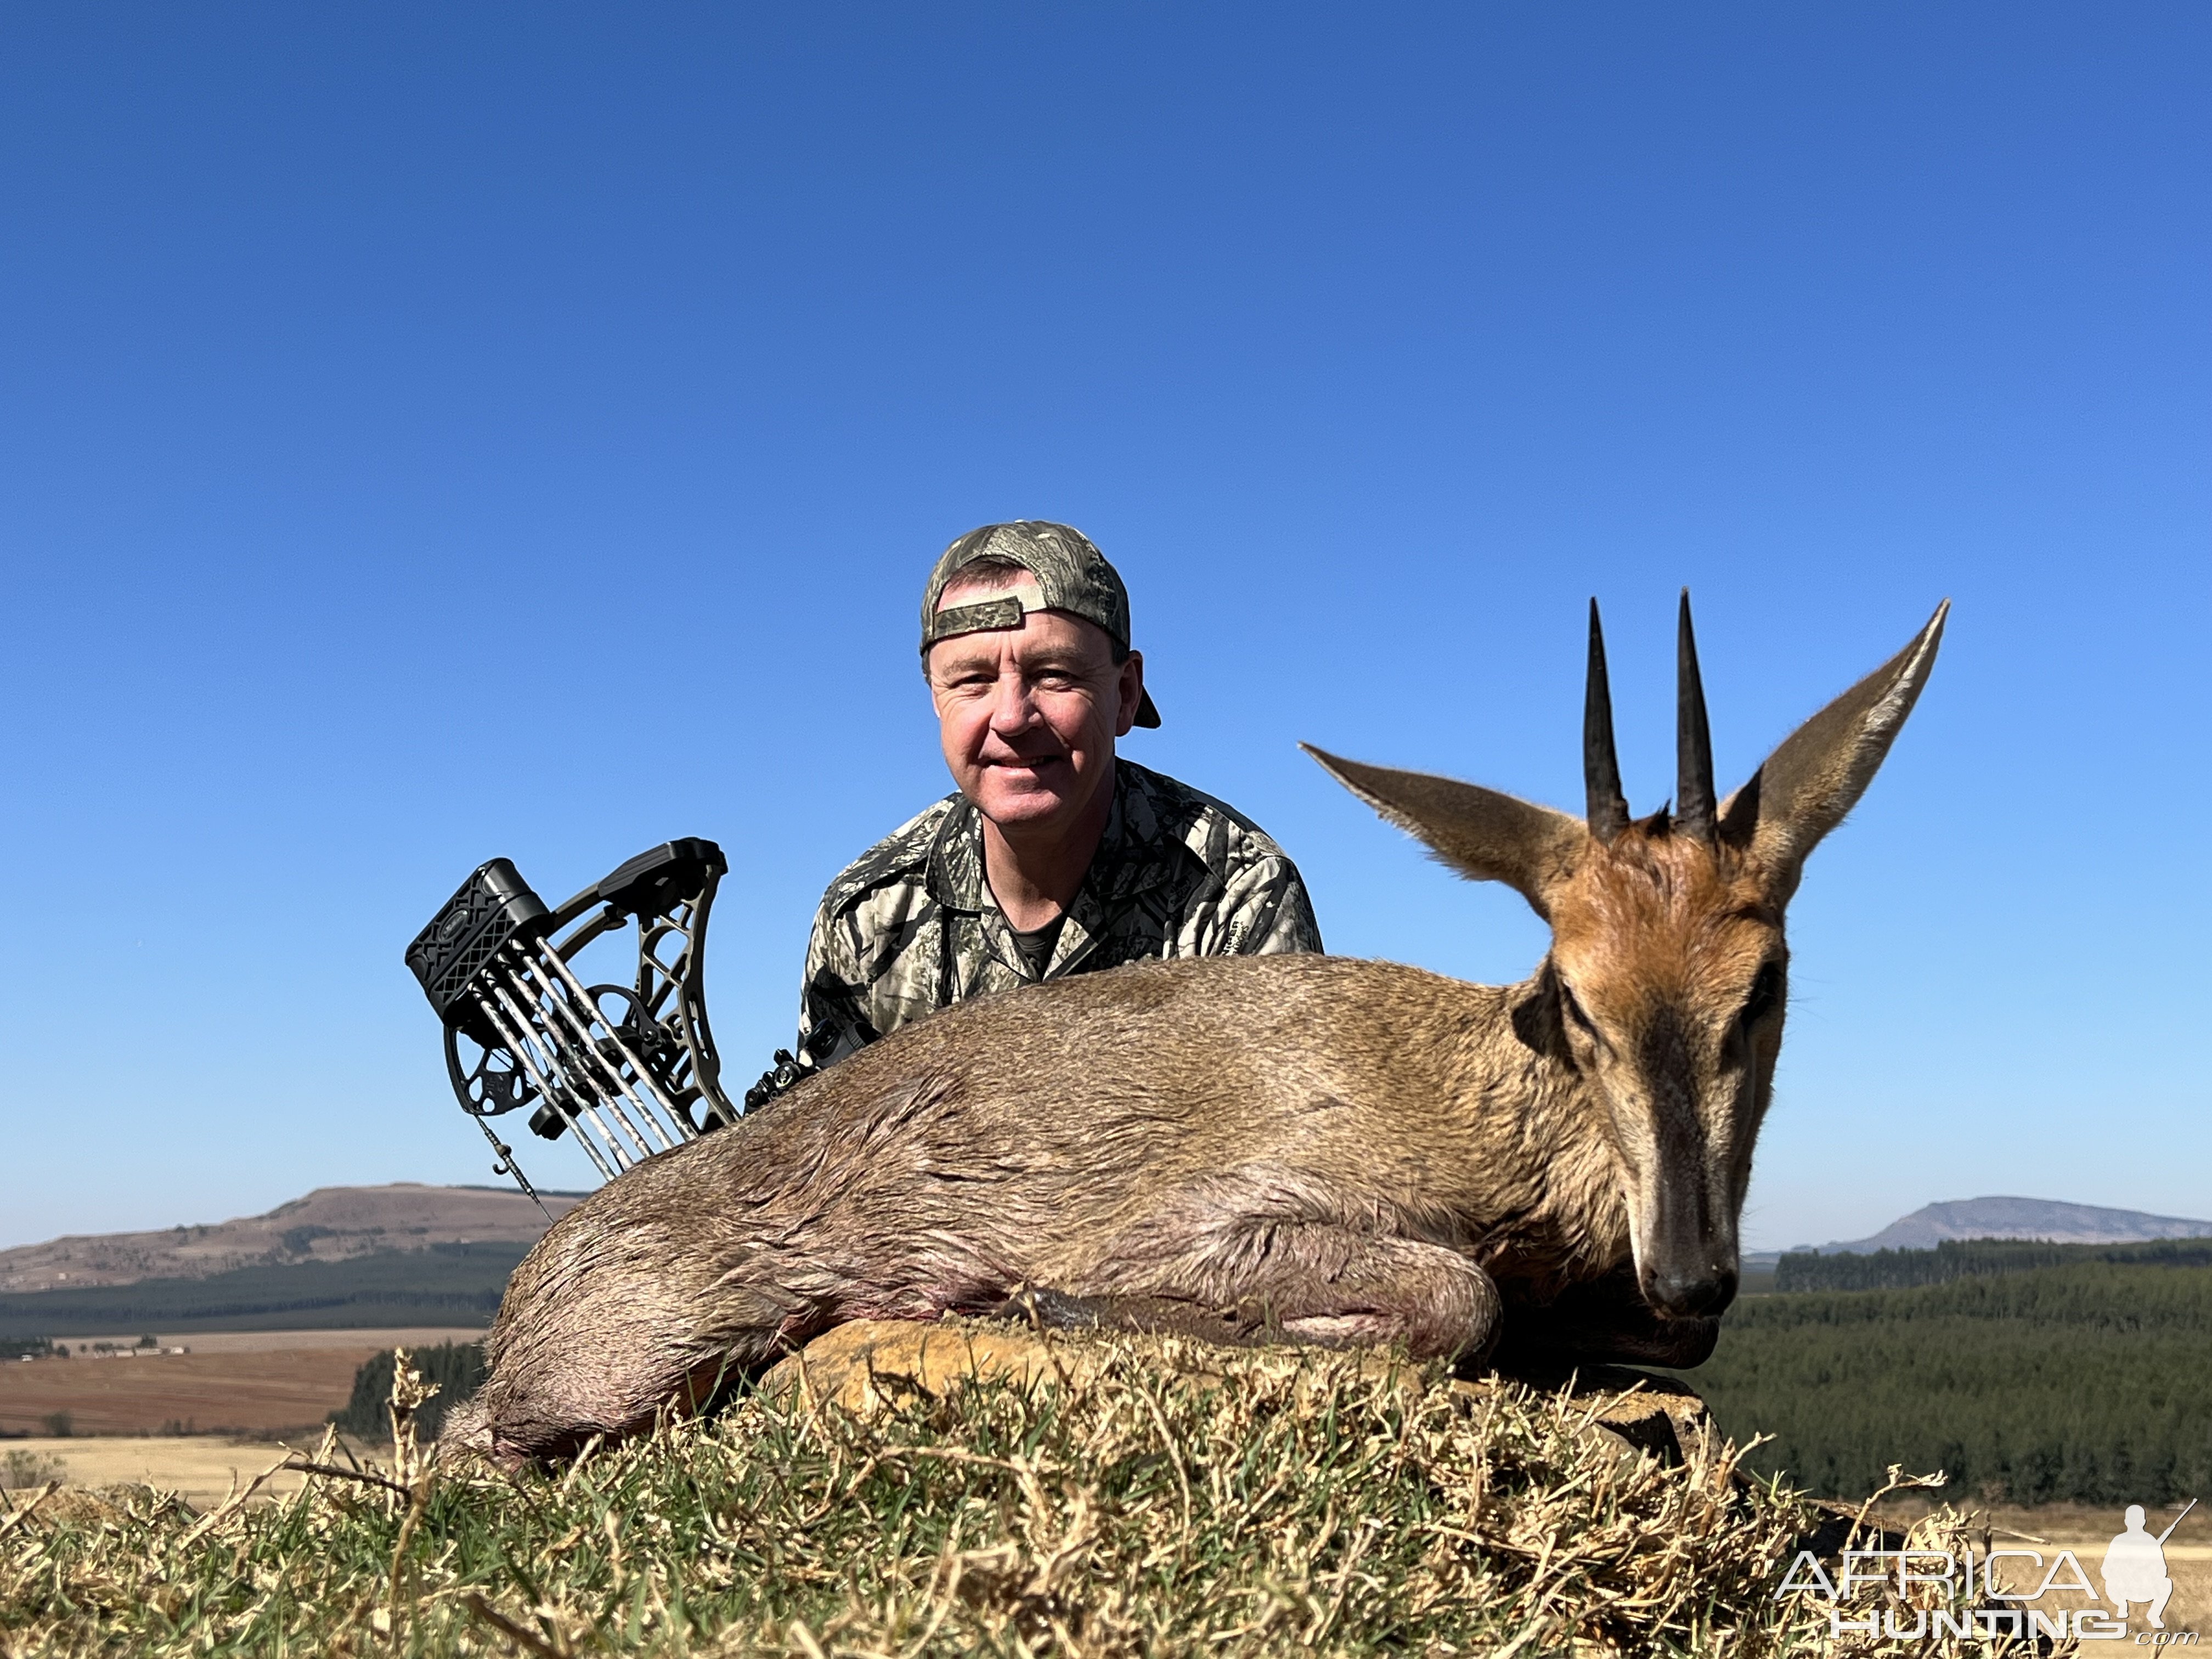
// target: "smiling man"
[[1056, 857]]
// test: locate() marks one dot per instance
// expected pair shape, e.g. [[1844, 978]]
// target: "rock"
[[869, 1364]]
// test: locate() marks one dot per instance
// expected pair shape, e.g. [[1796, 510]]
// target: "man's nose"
[[1012, 709]]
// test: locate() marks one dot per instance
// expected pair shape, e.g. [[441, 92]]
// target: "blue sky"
[[431, 433]]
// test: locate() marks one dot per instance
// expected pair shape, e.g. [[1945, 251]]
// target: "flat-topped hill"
[[2045, 1219], [331, 1224]]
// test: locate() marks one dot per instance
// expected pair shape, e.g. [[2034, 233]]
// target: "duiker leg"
[[1284, 1263], [1434, 1301], [1146, 1315], [1330, 1285]]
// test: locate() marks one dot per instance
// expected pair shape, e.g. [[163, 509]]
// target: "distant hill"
[[2022, 1217], [329, 1225], [456, 1284]]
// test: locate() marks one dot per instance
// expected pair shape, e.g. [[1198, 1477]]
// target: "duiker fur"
[[1313, 1147]]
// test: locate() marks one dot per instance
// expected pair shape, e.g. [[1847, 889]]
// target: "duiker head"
[[1667, 975]]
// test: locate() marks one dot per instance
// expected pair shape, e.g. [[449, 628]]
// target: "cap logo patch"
[[974, 618]]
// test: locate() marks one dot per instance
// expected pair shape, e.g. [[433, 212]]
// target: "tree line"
[[457, 1368], [1897, 1270], [2088, 1382]]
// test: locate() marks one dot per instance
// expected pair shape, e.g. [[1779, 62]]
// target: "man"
[[1055, 856]]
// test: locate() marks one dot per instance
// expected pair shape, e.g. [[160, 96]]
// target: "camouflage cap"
[[1072, 575]]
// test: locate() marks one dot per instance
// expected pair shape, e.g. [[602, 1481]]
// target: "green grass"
[[1285, 1503]]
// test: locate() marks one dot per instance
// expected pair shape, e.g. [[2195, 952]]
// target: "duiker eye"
[[1574, 1009], [1766, 995]]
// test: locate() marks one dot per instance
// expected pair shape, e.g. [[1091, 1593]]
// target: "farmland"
[[2086, 1529], [201, 1469], [250, 1382]]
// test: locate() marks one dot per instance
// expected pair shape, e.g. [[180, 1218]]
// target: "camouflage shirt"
[[911, 926]]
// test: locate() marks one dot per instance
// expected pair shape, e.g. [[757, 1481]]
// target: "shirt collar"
[[1131, 858]]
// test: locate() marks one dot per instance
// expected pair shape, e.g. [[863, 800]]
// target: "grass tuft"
[[1174, 1501]]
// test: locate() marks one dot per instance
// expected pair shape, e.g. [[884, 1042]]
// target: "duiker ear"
[[1478, 832], [1818, 774]]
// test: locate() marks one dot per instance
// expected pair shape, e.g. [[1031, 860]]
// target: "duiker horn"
[[1608, 807], [1693, 738]]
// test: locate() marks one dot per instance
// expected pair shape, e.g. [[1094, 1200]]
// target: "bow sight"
[[628, 1070]]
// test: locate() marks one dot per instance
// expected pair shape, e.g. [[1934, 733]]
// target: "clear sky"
[[428, 433]]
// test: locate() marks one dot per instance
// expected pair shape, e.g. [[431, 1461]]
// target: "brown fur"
[[1342, 1151]]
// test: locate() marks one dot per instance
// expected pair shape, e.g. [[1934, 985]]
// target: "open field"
[[203, 1469], [242, 1390]]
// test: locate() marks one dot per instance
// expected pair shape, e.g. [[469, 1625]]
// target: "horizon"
[[512, 1191], [427, 441]]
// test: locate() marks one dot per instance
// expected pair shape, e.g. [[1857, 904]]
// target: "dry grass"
[[201, 1468], [1284, 1502]]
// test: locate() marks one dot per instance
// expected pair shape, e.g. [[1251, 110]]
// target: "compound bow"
[[628, 1070]]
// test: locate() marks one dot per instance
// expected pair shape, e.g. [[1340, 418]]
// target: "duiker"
[[1308, 1147]]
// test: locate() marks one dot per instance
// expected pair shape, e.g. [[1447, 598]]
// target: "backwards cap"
[[1072, 575]]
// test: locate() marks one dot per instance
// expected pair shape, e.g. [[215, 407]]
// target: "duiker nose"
[[1689, 1292]]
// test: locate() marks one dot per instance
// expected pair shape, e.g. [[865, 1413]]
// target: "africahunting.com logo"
[[1905, 1594]]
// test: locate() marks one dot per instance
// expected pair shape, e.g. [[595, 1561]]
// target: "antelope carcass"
[[1329, 1150]]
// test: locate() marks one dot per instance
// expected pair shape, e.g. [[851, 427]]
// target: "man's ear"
[[1807, 785], [1478, 832], [1129, 689]]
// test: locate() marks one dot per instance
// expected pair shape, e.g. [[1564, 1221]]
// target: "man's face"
[[1028, 716]]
